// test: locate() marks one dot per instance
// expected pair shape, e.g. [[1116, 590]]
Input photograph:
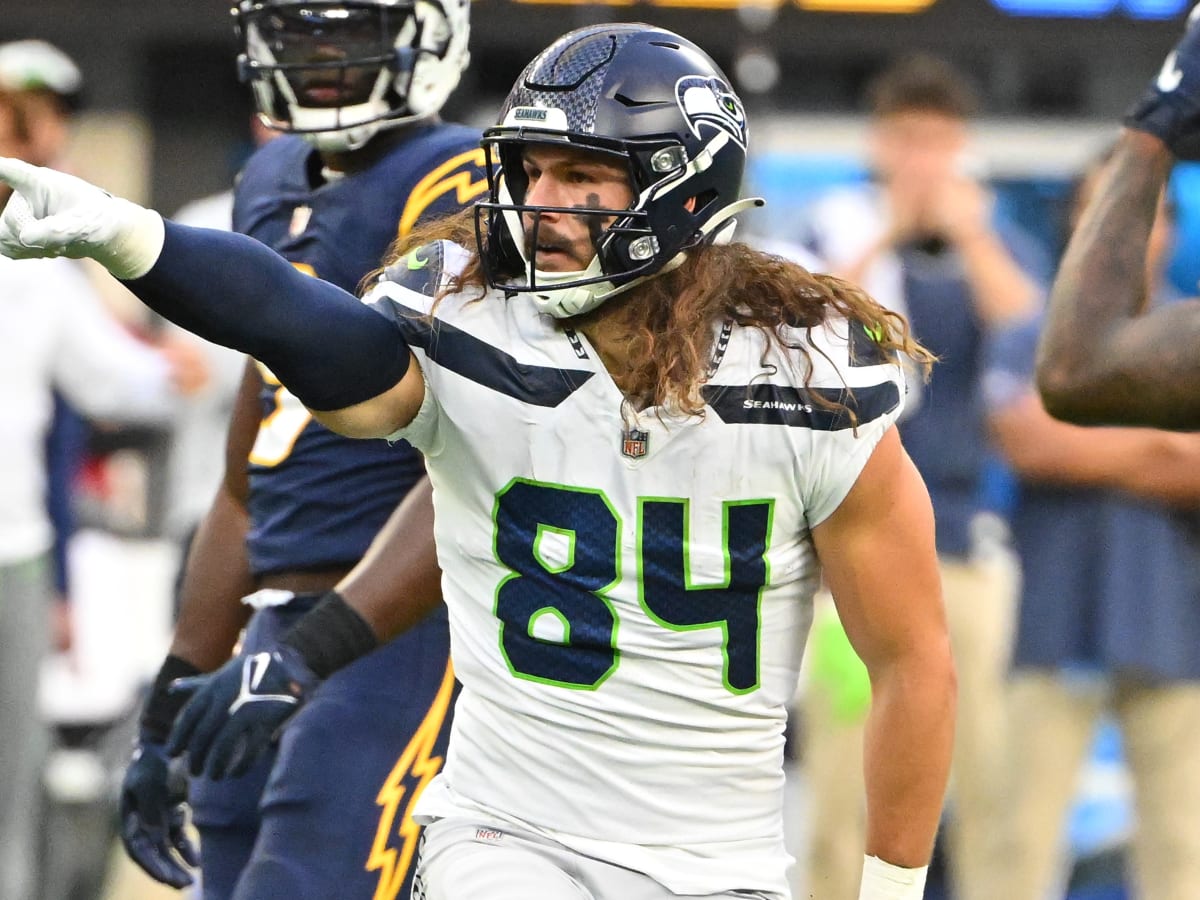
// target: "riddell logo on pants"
[[491, 835]]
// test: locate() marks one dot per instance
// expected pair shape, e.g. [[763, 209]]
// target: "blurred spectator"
[[1109, 542], [923, 240], [50, 87], [54, 333], [47, 85]]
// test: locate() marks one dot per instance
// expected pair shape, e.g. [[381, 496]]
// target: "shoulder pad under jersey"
[[419, 270]]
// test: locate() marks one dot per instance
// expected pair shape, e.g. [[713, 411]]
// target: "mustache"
[[543, 234], [539, 234]]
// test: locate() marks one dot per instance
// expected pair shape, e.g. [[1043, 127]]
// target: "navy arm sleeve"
[[329, 349]]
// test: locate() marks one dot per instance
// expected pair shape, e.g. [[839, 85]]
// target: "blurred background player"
[[1106, 531], [923, 240], [358, 87]]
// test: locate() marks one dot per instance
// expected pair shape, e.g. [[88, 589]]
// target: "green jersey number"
[[563, 546]]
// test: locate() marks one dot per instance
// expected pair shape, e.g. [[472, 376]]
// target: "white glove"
[[56, 214]]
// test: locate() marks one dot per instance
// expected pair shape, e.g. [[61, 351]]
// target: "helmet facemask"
[[338, 72]]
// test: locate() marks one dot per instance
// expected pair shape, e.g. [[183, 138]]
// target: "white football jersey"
[[629, 594]]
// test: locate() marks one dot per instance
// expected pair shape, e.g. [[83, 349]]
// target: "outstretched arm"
[[342, 358], [879, 560], [332, 351], [1100, 359]]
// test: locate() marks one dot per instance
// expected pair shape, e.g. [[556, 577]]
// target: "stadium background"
[[165, 123], [166, 116]]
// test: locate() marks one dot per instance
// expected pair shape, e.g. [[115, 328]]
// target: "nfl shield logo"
[[634, 443]]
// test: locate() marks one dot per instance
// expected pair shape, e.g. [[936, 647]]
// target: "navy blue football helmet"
[[337, 71], [648, 98]]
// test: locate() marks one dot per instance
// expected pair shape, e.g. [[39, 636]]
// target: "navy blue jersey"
[[318, 499]]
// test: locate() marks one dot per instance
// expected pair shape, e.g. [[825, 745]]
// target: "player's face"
[[574, 179], [918, 147], [320, 39]]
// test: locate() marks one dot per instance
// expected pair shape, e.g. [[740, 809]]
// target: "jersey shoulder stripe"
[[826, 378], [407, 291], [841, 354], [413, 282], [474, 359], [816, 408]]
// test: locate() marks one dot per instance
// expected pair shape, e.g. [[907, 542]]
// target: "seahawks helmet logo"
[[710, 101]]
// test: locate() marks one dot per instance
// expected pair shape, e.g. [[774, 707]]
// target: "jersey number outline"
[[562, 547], [279, 431]]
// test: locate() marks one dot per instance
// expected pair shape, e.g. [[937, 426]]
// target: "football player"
[[357, 87], [645, 444], [1102, 357]]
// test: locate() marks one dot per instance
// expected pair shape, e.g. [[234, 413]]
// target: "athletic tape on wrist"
[[884, 881]]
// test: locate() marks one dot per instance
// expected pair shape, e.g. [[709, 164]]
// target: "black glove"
[[234, 712], [1170, 108], [154, 793], [154, 816]]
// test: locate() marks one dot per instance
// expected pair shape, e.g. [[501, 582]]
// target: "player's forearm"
[[398, 582], [1100, 288], [1164, 468], [216, 578], [909, 736], [1156, 465], [392, 588], [328, 348]]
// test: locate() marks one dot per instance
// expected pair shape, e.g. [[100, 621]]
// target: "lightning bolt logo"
[[443, 180], [417, 763]]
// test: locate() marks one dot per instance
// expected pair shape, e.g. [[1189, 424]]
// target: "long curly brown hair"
[[670, 320]]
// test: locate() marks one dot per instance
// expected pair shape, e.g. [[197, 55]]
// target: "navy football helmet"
[[648, 98], [337, 71]]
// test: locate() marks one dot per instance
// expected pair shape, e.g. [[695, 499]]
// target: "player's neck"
[[611, 340], [609, 328]]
